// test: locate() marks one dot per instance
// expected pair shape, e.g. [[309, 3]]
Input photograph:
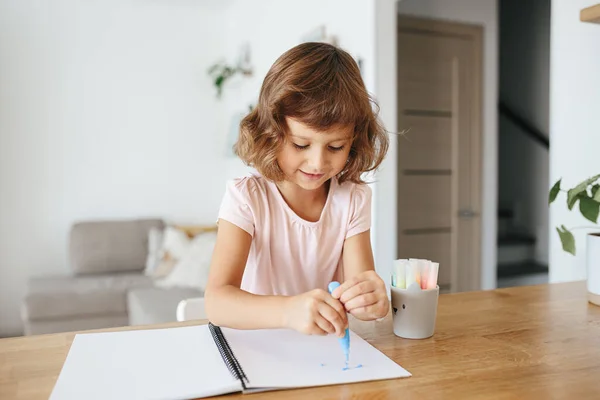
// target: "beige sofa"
[[107, 286]]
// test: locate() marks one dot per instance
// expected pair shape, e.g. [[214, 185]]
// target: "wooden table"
[[538, 342]]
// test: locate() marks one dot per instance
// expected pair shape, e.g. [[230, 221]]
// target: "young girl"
[[304, 219]]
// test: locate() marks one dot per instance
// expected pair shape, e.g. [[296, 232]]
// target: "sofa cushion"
[[156, 305], [97, 247], [68, 296]]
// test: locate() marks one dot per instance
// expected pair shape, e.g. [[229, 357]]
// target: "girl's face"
[[309, 158]]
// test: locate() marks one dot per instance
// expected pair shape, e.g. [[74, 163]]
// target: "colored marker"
[[400, 273], [345, 341], [413, 273], [433, 275], [425, 269]]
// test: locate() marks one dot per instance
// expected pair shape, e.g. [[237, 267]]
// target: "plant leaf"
[[596, 192], [567, 239], [589, 208], [554, 191], [573, 193], [571, 201]]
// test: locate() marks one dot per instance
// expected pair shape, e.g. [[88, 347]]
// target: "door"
[[439, 73]]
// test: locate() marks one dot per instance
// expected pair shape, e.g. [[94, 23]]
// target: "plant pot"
[[593, 267]]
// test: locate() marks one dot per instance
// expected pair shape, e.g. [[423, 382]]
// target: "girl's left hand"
[[364, 296]]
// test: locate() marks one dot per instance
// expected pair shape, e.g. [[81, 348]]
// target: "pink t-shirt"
[[290, 255]]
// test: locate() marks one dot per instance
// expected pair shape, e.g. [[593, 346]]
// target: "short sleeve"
[[360, 211], [236, 205]]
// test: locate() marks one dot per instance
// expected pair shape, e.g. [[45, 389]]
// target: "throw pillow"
[[155, 253], [164, 267], [176, 242], [174, 245], [193, 267]]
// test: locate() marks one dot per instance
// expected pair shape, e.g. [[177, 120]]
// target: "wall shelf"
[[590, 14]]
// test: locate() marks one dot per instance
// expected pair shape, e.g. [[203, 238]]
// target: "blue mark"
[[346, 368]]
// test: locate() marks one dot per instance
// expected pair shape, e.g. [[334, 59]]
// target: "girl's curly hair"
[[321, 86]]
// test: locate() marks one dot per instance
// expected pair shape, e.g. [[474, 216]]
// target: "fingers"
[[339, 308], [334, 318], [364, 280], [322, 326], [364, 300], [369, 313], [327, 315], [337, 293], [361, 313], [364, 296], [377, 310], [359, 289]]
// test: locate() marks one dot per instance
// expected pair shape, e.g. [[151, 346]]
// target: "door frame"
[[474, 33]]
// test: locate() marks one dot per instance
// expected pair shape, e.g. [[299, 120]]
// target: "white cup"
[[414, 311]]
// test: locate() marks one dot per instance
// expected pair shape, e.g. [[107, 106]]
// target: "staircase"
[[516, 254], [516, 246]]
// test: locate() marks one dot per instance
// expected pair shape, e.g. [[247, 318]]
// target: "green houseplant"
[[587, 194]]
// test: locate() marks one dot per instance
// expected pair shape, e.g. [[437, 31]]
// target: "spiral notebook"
[[206, 360]]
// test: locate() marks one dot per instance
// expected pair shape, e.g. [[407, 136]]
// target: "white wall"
[[574, 123], [106, 111], [355, 31], [282, 26], [484, 13], [366, 29], [525, 87], [385, 193]]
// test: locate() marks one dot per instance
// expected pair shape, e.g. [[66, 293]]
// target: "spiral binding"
[[227, 354]]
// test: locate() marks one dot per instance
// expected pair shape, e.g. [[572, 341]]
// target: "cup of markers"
[[415, 294]]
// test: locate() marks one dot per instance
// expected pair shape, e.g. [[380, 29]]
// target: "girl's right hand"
[[316, 313]]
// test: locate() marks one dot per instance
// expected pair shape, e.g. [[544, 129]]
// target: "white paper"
[[174, 363], [184, 363], [288, 359]]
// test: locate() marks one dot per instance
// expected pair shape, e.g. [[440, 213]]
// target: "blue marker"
[[345, 341]]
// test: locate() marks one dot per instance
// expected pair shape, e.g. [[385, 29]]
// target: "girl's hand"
[[315, 313], [364, 296]]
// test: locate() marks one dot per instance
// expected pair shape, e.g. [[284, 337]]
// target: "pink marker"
[[425, 267]]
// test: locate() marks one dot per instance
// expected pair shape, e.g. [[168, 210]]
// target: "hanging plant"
[[220, 73]]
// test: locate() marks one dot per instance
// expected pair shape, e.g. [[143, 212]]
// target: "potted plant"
[[587, 194]]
